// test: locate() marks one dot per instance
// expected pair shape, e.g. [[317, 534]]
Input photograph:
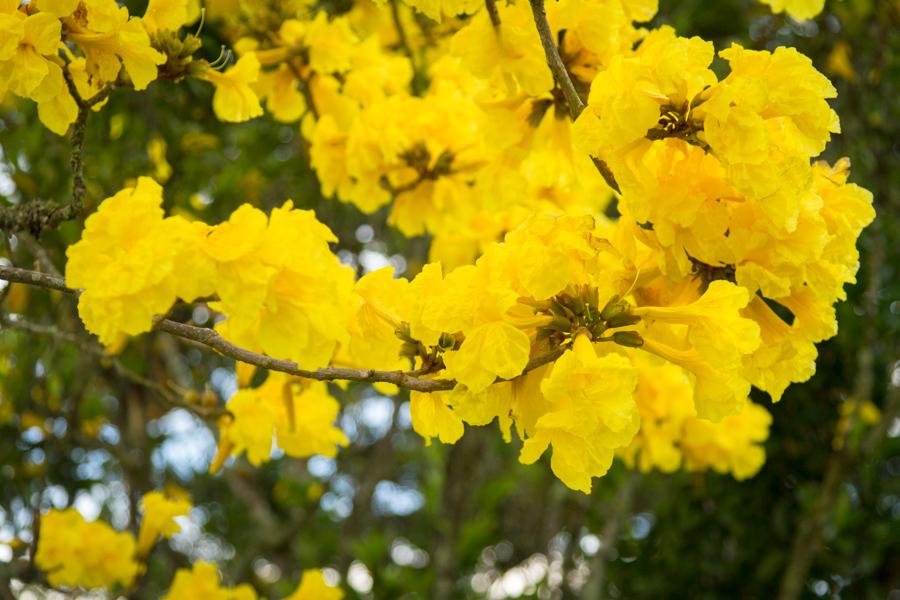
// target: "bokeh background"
[[389, 517]]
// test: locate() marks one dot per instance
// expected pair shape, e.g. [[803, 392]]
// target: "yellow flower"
[[664, 397], [592, 413], [708, 337], [799, 9], [628, 97], [305, 425], [385, 302], [729, 446], [491, 350], [783, 357], [279, 88], [23, 53], [432, 417], [314, 587], [330, 43], [158, 519], [76, 553], [512, 55], [475, 300], [234, 100], [764, 121], [551, 253], [129, 262], [111, 39], [202, 581], [282, 289], [299, 417], [165, 15], [58, 8]]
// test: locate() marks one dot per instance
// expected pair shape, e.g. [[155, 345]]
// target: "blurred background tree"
[[394, 519]]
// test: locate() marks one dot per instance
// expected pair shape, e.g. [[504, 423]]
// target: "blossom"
[[433, 418], [798, 9], [764, 121], [112, 39], [202, 581], [158, 519], [314, 587], [162, 15], [76, 553], [234, 100], [709, 339], [730, 446], [282, 289], [296, 417], [129, 261], [592, 412]]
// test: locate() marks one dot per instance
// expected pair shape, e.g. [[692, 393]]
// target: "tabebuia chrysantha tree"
[[614, 233]]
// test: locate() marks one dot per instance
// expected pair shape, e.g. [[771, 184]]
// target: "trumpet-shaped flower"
[[158, 519], [592, 413], [708, 337], [202, 581], [234, 100]]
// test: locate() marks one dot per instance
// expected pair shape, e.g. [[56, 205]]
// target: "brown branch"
[[305, 87], [554, 61], [212, 339], [491, 6], [416, 83], [38, 215], [562, 78]]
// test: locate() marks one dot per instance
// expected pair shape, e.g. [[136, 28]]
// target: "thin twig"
[[415, 83], [38, 215], [554, 61], [561, 76], [305, 88], [491, 6]]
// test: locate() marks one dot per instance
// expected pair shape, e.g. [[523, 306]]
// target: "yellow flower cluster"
[[283, 290], [376, 140], [718, 174], [202, 581], [721, 273], [78, 554], [299, 415], [672, 437], [75, 553], [109, 41], [279, 284], [130, 260]]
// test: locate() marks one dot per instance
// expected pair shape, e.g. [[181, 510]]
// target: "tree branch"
[[491, 7], [561, 76], [212, 339], [554, 61], [38, 215]]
